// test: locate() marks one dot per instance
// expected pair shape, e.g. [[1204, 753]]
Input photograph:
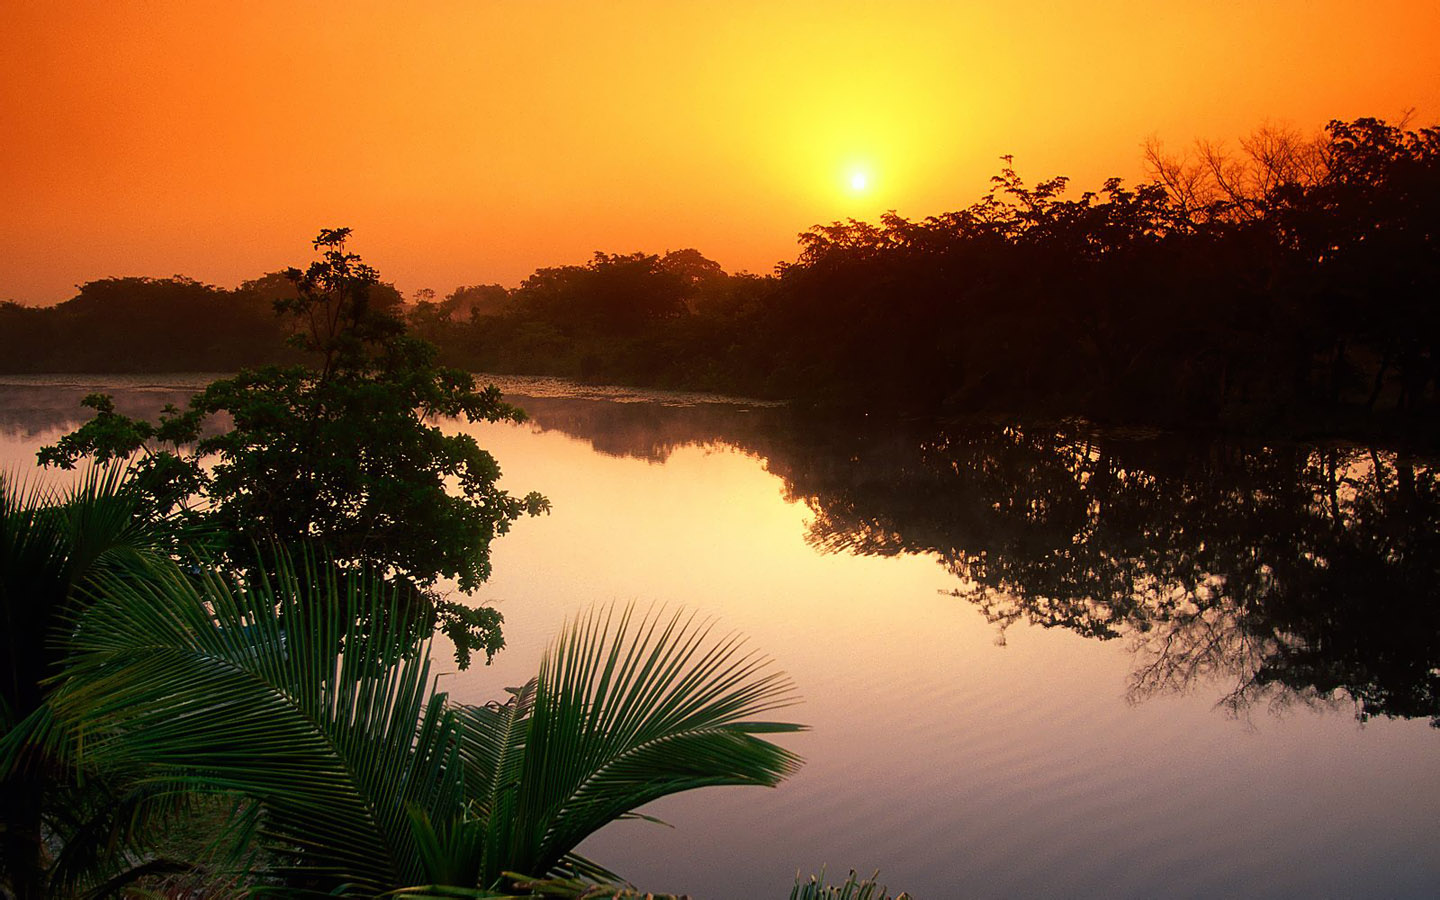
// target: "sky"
[[474, 142]]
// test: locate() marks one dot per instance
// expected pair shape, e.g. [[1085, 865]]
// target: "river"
[[1034, 662]]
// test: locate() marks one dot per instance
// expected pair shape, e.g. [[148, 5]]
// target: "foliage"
[[370, 781], [1270, 572], [1285, 285], [340, 454], [614, 293], [1288, 286], [65, 826], [143, 325], [305, 693], [854, 888], [646, 317]]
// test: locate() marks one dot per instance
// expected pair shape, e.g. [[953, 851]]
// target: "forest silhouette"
[[1288, 286]]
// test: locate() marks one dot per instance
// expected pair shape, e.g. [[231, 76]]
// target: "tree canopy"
[[343, 454], [292, 726], [1288, 285]]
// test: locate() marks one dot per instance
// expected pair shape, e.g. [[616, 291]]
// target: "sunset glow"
[[475, 142], [1050, 389]]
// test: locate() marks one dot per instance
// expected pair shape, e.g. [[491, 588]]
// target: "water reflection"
[[957, 767], [1295, 573], [37, 405]]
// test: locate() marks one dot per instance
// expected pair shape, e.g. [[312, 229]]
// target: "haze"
[[475, 142]]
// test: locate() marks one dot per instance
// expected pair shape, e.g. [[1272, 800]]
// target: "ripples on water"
[[981, 725]]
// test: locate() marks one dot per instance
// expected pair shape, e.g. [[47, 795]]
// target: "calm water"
[[1036, 662]]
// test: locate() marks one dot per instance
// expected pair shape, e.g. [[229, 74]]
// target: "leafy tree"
[[1371, 231], [371, 782], [454, 323], [1289, 281], [64, 825], [341, 454], [28, 337], [474, 301], [615, 294]]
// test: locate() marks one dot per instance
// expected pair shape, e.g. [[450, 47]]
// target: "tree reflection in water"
[[1288, 572], [1296, 573]]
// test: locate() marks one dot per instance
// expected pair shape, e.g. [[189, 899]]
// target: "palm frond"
[[306, 691], [109, 523], [53, 544], [627, 710], [854, 888], [309, 691]]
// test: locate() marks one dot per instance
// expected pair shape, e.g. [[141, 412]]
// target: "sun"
[[859, 181]]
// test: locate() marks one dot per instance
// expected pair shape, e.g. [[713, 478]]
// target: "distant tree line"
[[1297, 277], [1292, 281], [171, 324], [259, 574], [676, 319]]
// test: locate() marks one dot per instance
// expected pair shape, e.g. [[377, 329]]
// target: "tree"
[[367, 780], [615, 294], [1371, 231], [341, 454], [63, 824], [474, 301], [1216, 184]]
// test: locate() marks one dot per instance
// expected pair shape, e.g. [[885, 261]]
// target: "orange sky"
[[470, 142]]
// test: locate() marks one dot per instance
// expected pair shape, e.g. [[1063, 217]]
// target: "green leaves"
[[627, 711], [343, 453], [307, 694], [54, 548], [304, 693]]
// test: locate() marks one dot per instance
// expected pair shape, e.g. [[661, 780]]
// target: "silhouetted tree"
[[340, 453], [1288, 285]]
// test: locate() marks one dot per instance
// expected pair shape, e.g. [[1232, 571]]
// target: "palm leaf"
[[52, 545], [308, 691], [625, 710]]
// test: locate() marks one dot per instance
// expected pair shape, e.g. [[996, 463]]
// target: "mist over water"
[[990, 714]]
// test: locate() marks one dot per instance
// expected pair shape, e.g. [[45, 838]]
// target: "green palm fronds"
[[62, 827], [308, 694], [302, 692], [626, 711]]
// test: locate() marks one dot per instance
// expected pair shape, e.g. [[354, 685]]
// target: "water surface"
[[1035, 661]]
